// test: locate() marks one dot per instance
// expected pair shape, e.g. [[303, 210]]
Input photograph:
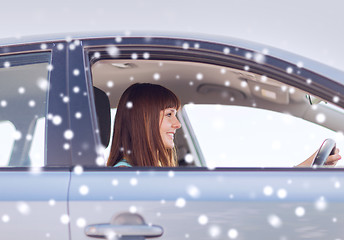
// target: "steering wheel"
[[326, 149]]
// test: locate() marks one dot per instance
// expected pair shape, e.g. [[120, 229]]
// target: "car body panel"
[[33, 203], [208, 204]]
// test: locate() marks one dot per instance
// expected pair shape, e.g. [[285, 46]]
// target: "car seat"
[[102, 104]]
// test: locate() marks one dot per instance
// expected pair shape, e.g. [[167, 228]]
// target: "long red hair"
[[136, 136]]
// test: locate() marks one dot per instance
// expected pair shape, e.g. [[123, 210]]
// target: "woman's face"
[[168, 126]]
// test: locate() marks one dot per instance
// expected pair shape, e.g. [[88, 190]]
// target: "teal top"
[[123, 162]]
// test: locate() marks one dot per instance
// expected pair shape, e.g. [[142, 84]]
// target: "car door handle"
[[124, 225], [106, 230]]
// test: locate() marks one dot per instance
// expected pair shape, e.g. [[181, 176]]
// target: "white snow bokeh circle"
[[65, 99], [133, 181], [3, 103], [76, 72], [300, 211], [113, 51], [268, 190], [23, 208], [180, 202], [134, 56], [17, 135], [21, 90], [60, 46], [32, 103], [203, 219], [129, 105], [83, 190], [81, 222], [156, 76], [186, 45], [78, 170], [110, 84], [7, 64], [193, 191], [289, 70], [64, 219], [189, 158], [146, 55], [133, 209], [57, 120], [50, 67], [66, 146], [100, 161], [282, 193], [259, 58], [233, 233], [43, 84], [171, 173], [5, 218], [214, 231], [320, 204], [274, 221], [52, 202], [320, 118], [114, 182], [78, 115], [226, 50], [76, 89], [68, 134], [199, 76], [337, 184]]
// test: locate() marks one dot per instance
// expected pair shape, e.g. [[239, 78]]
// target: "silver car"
[[250, 114]]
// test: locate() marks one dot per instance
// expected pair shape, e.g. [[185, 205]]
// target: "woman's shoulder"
[[122, 163]]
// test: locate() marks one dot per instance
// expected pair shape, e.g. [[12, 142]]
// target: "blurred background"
[[309, 28]]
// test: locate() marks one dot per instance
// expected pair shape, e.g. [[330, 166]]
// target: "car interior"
[[202, 83]]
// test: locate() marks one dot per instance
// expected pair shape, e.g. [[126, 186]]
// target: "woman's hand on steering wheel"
[[333, 159], [327, 155]]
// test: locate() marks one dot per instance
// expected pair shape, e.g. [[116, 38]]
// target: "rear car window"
[[24, 82]]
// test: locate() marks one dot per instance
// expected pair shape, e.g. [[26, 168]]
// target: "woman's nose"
[[176, 123]]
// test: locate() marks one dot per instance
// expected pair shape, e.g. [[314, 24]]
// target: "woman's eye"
[[169, 114]]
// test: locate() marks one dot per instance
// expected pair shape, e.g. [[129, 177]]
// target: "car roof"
[[302, 62]]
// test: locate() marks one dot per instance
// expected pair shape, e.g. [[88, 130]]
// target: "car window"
[[24, 81], [7, 140], [230, 117], [237, 136]]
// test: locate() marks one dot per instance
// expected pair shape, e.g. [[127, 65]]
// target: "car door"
[[34, 176], [195, 202], [204, 204]]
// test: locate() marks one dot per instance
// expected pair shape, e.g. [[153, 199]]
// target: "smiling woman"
[[144, 127]]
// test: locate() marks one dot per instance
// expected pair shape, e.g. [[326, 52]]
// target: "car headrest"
[[102, 104]]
